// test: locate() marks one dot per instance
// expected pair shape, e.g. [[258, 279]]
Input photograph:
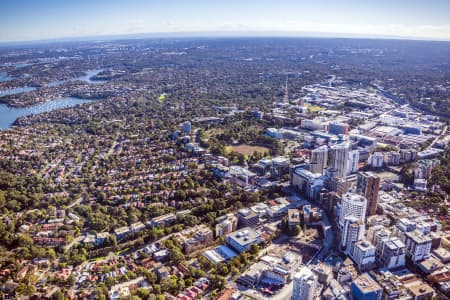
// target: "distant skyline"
[[27, 20]]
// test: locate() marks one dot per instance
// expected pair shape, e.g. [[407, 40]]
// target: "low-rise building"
[[195, 238], [243, 239], [164, 220], [247, 218], [366, 288], [226, 224], [293, 218]]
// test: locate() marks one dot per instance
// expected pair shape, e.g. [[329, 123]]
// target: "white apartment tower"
[[339, 154], [353, 231], [353, 162], [364, 255], [305, 285], [352, 205]]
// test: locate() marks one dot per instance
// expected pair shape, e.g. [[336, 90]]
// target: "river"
[[4, 77], [87, 77], [9, 114]]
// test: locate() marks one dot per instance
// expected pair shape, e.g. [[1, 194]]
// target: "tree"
[[217, 281], [254, 249], [58, 295], [176, 256], [170, 284]]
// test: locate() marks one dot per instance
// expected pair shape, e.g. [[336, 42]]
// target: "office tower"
[[338, 128], [368, 185], [353, 231], [305, 284], [352, 205], [339, 158], [319, 159]]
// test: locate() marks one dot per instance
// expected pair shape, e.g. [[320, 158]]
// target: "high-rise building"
[[391, 254], [305, 284], [368, 184], [364, 255], [352, 205], [353, 162], [319, 159], [339, 158], [418, 245], [376, 160], [353, 231], [377, 235], [366, 288]]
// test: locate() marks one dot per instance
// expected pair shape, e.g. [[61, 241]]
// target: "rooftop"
[[366, 284], [244, 236]]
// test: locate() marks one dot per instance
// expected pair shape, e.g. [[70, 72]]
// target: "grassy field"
[[247, 149], [162, 97]]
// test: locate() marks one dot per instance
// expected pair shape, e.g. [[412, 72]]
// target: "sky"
[[25, 20]]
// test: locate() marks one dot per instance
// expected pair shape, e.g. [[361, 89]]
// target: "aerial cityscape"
[[269, 162]]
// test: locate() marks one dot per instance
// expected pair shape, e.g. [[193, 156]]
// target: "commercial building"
[[241, 176], [279, 167], [293, 218], [315, 124], [247, 218], [243, 239], [308, 183], [366, 288], [305, 284], [338, 128], [368, 184]]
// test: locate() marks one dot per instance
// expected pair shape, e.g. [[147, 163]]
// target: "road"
[[286, 291], [76, 202], [76, 240], [443, 132]]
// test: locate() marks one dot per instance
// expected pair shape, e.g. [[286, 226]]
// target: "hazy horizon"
[[26, 20]]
